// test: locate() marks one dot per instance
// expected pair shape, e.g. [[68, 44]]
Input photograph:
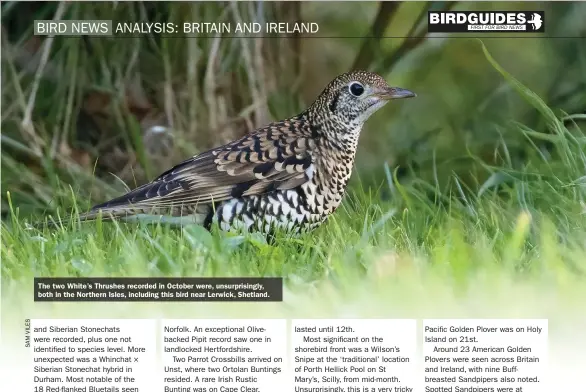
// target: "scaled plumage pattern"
[[290, 174]]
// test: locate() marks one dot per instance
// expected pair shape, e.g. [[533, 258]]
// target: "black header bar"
[[158, 289]]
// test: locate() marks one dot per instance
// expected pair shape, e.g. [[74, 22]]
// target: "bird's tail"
[[108, 214], [129, 214], [105, 214]]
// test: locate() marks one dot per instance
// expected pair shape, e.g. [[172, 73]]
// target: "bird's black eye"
[[356, 89]]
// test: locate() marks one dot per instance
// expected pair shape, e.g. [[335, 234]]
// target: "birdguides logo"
[[495, 21]]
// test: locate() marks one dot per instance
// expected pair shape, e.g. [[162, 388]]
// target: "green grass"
[[520, 244], [524, 226], [532, 229]]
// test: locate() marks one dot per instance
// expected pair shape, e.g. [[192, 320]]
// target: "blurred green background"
[[89, 116]]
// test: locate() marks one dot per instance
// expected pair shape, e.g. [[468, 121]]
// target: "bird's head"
[[353, 97]]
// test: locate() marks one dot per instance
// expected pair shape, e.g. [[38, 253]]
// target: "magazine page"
[[300, 196]]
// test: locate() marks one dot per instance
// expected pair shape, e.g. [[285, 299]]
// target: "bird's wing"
[[278, 156]]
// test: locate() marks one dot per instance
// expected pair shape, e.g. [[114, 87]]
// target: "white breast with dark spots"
[[333, 171], [292, 210], [299, 209], [285, 210]]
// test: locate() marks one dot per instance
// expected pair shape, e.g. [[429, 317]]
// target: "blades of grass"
[[573, 117], [515, 246], [494, 181], [528, 132], [532, 98], [554, 124]]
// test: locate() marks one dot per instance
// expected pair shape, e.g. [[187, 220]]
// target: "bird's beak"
[[394, 93]]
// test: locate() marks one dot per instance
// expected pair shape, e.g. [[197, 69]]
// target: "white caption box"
[[224, 355], [498, 355], [353, 355], [74, 355]]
